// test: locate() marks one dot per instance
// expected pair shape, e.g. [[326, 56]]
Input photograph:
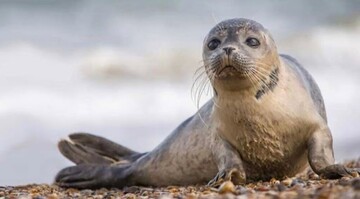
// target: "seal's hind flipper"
[[102, 146], [82, 155], [86, 148], [94, 176]]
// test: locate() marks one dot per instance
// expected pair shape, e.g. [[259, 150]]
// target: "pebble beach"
[[305, 185]]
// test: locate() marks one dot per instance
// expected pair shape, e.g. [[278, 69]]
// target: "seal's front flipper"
[[233, 175], [321, 156], [337, 171], [229, 164], [90, 176], [80, 154]]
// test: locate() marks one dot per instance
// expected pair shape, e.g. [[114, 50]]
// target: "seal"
[[266, 120]]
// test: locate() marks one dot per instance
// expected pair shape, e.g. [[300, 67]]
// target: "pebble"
[[206, 192], [263, 188], [297, 181], [356, 184], [228, 196], [86, 192], [324, 192], [130, 196], [227, 187], [191, 196], [240, 190], [288, 195], [274, 182], [355, 174], [299, 187], [345, 181], [132, 189], [287, 182], [281, 187], [314, 176]]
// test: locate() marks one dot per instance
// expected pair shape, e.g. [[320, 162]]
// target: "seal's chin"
[[229, 71], [231, 78]]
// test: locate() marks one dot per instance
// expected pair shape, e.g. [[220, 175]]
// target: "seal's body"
[[266, 120]]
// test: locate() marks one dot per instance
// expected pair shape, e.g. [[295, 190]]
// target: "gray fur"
[[235, 136], [310, 84]]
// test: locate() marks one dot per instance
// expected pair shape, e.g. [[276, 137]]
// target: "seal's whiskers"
[[201, 83]]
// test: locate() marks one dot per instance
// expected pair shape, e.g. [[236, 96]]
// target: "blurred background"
[[124, 70]]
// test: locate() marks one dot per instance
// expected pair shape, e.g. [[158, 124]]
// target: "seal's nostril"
[[228, 50]]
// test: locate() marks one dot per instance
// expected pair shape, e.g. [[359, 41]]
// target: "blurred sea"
[[124, 70]]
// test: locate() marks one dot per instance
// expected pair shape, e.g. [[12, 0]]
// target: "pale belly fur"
[[269, 146]]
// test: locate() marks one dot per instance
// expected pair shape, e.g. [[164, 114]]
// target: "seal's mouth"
[[230, 71], [227, 68]]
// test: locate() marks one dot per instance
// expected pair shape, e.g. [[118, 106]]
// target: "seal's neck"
[[254, 89], [270, 85]]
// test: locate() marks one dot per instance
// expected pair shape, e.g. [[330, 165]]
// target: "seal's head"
[[238, 53]]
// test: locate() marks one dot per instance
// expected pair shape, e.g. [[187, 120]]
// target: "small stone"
[[228, 196], [130, 196], [297, 181], [172, 187], [175, 195], [37, 196], [173, 190], [145, 193], [280, 187], [324, 181], [251, 185], [52, 196], [271, 193], [132, 189], [146, 189], [289, 194], [191, 196], [356, 184], [206, 192], [324, 192], [354, 174], [345, 181], [212, 189], [262, 188], [287, 182], [314, 176], [240, 190], [274, 182], [23, 197], [71, 191], [101, 191], [226, 187], [86, 192], [191, 188]]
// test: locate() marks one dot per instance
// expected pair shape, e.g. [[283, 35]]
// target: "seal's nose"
[[228, 50]]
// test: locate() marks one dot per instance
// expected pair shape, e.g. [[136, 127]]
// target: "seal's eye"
[[252, 42], [213, 44]]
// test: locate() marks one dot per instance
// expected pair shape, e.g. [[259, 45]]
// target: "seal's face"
[[238, 53]]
